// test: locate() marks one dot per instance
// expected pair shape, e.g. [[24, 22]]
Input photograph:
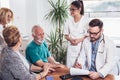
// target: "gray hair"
[[34, 27]]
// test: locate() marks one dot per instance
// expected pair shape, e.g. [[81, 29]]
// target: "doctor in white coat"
[[98, 52]]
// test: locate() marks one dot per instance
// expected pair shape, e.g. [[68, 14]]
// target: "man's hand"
[[51, 60], [51, 70], [94, 75], [77, 65]]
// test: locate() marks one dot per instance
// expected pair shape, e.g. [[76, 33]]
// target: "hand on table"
[[94, 75]]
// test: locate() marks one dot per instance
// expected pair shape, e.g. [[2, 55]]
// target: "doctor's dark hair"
[[79, 4], [96, 22]]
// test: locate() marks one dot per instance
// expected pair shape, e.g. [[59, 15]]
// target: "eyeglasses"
[[94, 33], [71, 9]]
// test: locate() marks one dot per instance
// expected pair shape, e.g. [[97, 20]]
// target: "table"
[[65, 70]]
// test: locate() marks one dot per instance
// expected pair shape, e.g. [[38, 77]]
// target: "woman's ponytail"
[[82, 7]]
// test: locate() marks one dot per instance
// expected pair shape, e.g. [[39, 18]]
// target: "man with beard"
[[37, 51], [97, 53]]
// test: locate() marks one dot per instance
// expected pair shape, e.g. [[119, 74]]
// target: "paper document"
[[76, 71], [117, 77]]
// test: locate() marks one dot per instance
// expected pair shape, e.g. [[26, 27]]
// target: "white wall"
[[25, 12], [30, 12], [19, 9], [4, 3], [43, 8]]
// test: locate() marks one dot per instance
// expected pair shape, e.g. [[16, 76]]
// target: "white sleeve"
[[82, 57], [66, 28], [86, 26]]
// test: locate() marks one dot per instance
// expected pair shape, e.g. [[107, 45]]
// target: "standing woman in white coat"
[[75, 30]]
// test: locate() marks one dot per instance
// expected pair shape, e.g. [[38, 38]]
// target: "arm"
[[18, 70], [46, 68], [53, 63], [34, 68], [33, 56], [76, 41], [94, 75], [40, 63], [68, 37], [67, 32], [72, 41], [52, 60], [81, 61]]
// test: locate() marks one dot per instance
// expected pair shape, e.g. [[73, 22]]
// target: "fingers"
[[78, 65], [51, 70], [46, 67], [60, 65], [73, 42], [94, 75]]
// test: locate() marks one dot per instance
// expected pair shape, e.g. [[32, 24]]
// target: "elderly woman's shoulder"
[[8, 53]]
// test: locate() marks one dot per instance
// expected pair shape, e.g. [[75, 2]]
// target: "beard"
[[93, 39], [40, 41]]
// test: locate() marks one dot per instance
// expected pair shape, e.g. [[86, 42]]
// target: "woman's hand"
[[46, 67], [77, 41]]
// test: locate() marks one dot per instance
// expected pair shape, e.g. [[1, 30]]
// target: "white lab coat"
[[75, 30], [106, 58]]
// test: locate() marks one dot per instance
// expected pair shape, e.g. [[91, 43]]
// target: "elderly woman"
[[13, 65]]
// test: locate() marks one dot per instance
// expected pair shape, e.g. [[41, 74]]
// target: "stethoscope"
[[103, 45], [102, 51]]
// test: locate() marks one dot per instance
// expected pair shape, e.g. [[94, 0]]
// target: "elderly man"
[[37, 51], [97, 53]]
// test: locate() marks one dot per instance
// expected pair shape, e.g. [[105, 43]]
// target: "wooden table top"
[[62, 71]]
